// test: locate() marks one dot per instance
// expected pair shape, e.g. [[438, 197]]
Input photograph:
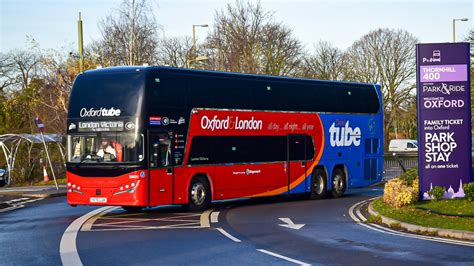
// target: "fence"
[[393, 165]]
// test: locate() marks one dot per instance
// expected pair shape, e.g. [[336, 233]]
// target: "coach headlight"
[[73, 188], [128, 188]]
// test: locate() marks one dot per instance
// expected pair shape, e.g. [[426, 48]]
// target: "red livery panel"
[[126, 190]]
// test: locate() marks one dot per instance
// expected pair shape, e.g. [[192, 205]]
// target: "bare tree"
[[129, 36], [386, 56], [282, 52], [246, 39], [406, 118], [327, 62], [8, 73], [470, 38], [18, 68], [175, 51]]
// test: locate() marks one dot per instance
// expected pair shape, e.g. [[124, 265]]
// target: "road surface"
[[275, 231]]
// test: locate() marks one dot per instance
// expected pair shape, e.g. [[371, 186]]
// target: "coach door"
[[160, 163], [296, 161]]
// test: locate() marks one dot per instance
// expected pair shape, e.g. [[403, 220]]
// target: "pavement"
[[12, 198], [266, 231], [34, 191]]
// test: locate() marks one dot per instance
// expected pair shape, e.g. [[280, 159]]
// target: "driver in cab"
[[106, 148]]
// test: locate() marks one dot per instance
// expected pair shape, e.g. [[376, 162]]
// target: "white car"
[[403, 145]]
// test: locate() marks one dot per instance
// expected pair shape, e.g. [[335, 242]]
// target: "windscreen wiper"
[[91, 158]]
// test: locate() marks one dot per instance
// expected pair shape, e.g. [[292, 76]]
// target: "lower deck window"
[[246, 149]]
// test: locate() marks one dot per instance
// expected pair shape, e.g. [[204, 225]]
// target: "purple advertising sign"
[[444, 117]]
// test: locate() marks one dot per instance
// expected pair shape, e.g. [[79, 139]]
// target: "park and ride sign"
[[444, 117]]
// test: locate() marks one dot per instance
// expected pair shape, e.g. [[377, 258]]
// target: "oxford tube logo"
[[344, 135], [101, 112]]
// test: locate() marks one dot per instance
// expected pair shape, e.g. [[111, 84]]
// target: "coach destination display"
[[444, 117]]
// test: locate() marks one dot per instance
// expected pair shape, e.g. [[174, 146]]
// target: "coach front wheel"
[[318, 184], [199, 194], [338, 183]]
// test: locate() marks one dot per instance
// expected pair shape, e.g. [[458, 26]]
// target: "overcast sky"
[[53, 23]]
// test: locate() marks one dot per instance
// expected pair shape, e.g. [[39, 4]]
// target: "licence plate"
[[98, 200]]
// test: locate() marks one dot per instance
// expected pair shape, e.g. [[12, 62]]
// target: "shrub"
[[436, 193], [410, 176], [415, 183], [397, 193], [469, 191]]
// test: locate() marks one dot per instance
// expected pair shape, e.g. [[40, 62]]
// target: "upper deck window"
[[120, 91], [202, 90]]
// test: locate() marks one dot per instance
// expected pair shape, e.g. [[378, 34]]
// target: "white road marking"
[[351, 213], [205, 218], [430, 238], [289, 224], [16, 200], [385, 230], [122, 222], [351, 210], [88, 224], [231, 237], [145, 228], [283, 257], [170, 218], [121, 225], [214, 217], [31, 200], [67, 247], [14, 207], [18, 203], [361, 217]]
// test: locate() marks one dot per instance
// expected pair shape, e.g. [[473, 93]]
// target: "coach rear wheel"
[[199, 194], [338, 183], [318, 184]]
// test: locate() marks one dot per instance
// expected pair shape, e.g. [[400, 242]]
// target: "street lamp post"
[[193, 49], [80, 40], [454, 26]]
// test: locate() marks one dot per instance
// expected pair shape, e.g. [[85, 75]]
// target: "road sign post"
[[444, 117], [41, 129]]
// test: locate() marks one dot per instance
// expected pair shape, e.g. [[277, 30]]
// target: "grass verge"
[[415, 216]]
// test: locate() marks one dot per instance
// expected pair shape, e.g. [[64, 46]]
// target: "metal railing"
[[396, 163]]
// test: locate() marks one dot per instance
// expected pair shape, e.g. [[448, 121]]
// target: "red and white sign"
[[39, 124], [223, 122]]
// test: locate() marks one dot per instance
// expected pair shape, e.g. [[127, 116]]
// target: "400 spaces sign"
[[444, 117]]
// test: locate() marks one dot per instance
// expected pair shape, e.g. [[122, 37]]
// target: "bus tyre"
[[132, 208], [199, 194], [319, 186], [338, 183]]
